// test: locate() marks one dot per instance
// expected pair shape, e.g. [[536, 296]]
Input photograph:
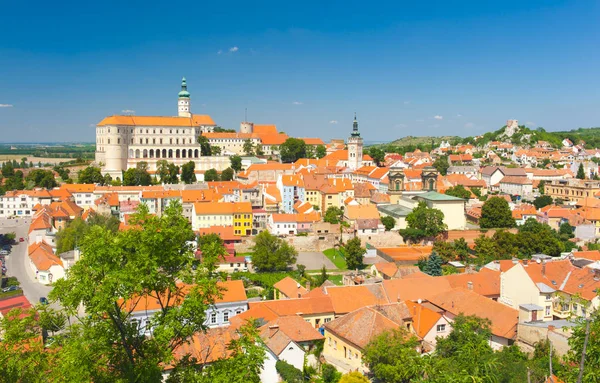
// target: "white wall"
[[294, 355]]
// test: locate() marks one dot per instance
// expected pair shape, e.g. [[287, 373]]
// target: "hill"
[[424, 140]]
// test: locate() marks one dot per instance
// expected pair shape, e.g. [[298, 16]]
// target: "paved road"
[[314, 261], [17, 262]]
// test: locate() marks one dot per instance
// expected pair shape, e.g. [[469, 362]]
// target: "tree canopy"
[[72, 235], [458, 191], [542, 201], [442, 165], [388, 222], [236, 162], [137, 176], [188, 175], [354, 253], [270, 253], [424, 222], [205, 148], [211, 175], [292, 150], [496, 213], [90, 175], [227, 174], [42, 178], [333, 215]]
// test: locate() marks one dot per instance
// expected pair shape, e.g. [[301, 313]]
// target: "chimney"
[[597, 274], [525, 262], [544, 268], [273, 330], [308, 285], [228, 277], [470, 285]]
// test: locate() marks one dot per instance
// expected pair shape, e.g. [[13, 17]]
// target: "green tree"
[[384, 353], [389, 222], [442, 165], [137, 176], [211, 175], [458, 191], [292, 150], [320, 151], [461, 248], [163, 171], [329, 373], [333, 215], [354, 253], [541, 201], [270, 253], [151, 261], [227, 174], [434, 265], [15, 182], [427, 220], [566, 230], [72, 235], [215, 150], [205, 148], [445, 250], [580, 172], [42, 178], [496, 213], [586, 329], [90, 175], [322, 276], [209, 240], [188, 175], [236, 162], [535, 237], [377, 154], [542, 187], [288, 372], [248, 147], [353, 377]]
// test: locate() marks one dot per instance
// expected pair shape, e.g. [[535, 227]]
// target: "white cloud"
[[128, 111], [297, 103], [333, 122], [469, 125], [6, 105], [438, 117], [219, 51], [234, 49], [459, 115]]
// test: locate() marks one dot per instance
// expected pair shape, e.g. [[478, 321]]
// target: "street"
[[17, 262]]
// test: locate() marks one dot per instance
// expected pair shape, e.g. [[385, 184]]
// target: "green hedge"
[[289, 373]]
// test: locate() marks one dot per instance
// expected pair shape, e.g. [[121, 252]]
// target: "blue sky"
[[406, 67]]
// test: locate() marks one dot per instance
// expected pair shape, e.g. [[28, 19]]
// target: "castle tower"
[[246, 127], [429, 177], [355, 147], [183, 101]]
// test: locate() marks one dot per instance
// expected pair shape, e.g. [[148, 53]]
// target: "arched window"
[[157, 153], [431, 184], [145, 153], [190, 153], [170, 153], [130, 153], [177, 153], [151, 153], [397, 184], [183, 153], [137, 153], [196, 153], [164, 153]]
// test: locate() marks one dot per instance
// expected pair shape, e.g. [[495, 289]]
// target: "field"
[[35, 160]]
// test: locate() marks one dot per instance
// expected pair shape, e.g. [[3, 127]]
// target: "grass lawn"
[[337, 279], [337, 257]]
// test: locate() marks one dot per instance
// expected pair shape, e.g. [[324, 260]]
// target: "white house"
[[44, 263], [283, 224]]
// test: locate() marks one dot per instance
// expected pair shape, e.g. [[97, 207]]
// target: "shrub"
[[289, 373]]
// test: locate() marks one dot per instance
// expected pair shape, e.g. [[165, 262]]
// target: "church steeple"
[[183, 101], [355, 132]]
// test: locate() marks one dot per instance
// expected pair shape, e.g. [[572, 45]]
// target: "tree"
[[270, 253], [333, 215], [353, 377], [445, 250], [461, 248], [15, 182], [288, 372], [584, 333], [152, 261], [248, 147], [215, 150], [535, 237], [90, 175], [227, 174], [581, 172], [211, 175], [458, 191], [329, 373], [320, 151], [354, 253], [566, 230], [542, 187], [71, 236], [389, 222], [496, 213], [188, 176], [207, 241], [442, 165], [429, 221], [137, 176], [322, 276], [292, 150], [434, 265], [236, 162], [383, 353], [541, 201], [167, 172], [377, 154], [42, 178], [205, 148]]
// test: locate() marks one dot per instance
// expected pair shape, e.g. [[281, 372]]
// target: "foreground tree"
[[236, 162], [388, 222], [151, 261], [458, 191], [496, 213], [384, 353], [41, 178], [90, 175], [72, 235], [188, 176], [353, 377], [292, 150], [354, 254], [270, 253], [333, 215], [424, 222]]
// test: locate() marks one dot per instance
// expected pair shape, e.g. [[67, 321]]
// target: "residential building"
[[292, 190], [288, 288], [236, 214], [572, 189]]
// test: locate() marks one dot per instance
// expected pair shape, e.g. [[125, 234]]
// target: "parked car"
[[21, 239], [10, 288], [3, 252], [44, 300]]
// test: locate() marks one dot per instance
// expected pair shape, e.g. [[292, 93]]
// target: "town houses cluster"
[[525, 300]]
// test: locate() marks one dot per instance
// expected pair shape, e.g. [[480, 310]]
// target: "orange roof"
[[272, 194], [195, 120], [42, 256], [423, 318], [261, 312], [313, 141], [222, 208], [349, 298], [592, 255], [486, 282], [225, 232], [388, 269], [273, 139], [302, 207], [302, 306], [208, 346], [354, 212], [412, 173], [406, 253], [296, 328], [581, 282], [503, 319], [290, 288], [264, 129], [414, 288], [292, 180]]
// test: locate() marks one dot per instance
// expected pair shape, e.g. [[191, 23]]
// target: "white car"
[[3, 252]]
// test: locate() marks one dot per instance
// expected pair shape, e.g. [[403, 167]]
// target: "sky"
[[405, 67]]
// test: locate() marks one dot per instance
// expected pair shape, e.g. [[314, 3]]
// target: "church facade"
[[124, 141]]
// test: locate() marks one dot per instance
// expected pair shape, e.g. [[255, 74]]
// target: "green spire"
[[184, 92], [355, 132]]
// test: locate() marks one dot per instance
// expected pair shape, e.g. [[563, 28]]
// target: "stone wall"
[[528, 336]]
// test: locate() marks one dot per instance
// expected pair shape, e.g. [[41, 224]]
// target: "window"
[[547, 311], [213, 318], [329, 340], [238, 311], [335, 344], [441, 328], [327, 320], [226, 316], [548, 297]]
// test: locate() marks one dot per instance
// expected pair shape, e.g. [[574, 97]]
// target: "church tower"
[[183, 102], [396, 184], [355, 147]]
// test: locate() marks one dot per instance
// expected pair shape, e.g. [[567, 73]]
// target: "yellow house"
[[236, 214], [347, 336]]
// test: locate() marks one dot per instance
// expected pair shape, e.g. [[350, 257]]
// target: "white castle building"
[[124, 141]]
